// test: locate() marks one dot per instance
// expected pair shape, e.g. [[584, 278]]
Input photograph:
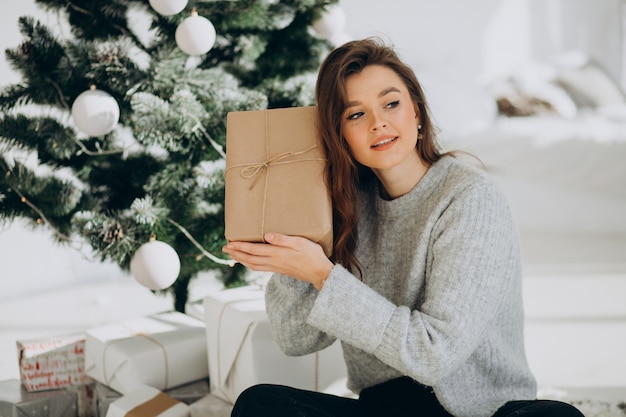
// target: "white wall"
[[468, 39], [456, 46], [11, 36]]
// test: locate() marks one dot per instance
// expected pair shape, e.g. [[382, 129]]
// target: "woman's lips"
[[384, 142]]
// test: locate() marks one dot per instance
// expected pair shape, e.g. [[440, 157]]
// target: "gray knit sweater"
[[440, 299]]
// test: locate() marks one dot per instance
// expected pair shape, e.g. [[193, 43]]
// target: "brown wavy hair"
[[344, 175]]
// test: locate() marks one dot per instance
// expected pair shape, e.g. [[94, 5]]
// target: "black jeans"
[[396, 398]]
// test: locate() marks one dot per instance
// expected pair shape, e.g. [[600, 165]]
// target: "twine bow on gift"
[[251, 170]]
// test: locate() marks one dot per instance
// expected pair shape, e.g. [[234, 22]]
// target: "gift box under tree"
[[16, 401], [51, 363], [188, 394], [163, 351], [242, 351], [145, 401]]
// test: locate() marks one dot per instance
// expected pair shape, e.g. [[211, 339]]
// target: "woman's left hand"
[[294, 256]]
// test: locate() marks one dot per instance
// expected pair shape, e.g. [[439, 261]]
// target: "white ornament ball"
[[332, 22], [168, 7], [155, 265], [95, 112], [195, 35], [339, 39]]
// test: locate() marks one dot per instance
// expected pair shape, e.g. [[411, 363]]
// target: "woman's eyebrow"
[[381, 94], [388, 90]]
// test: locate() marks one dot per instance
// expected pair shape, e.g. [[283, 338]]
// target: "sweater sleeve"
[[288, 304], [472, 261]]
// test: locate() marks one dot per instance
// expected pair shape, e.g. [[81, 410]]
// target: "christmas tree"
[[123, 109]]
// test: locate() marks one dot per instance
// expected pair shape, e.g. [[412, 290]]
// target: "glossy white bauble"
[[155, 265], [332, 22], [195, 35], [95, 112], [168, 7]]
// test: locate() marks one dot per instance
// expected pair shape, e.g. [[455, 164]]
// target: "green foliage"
[[160, 171]]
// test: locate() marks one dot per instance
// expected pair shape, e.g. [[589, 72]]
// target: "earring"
[[420, 135]]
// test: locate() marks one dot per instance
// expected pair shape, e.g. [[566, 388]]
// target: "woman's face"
[[380, 120]]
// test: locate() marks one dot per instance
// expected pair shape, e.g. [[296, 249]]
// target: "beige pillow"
[[590, 86]]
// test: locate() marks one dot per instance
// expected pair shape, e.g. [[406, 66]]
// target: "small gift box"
[[274, 179], [15, 401], [52, 363], [242, 351], [187, 394], [163, 351], [144, 401]]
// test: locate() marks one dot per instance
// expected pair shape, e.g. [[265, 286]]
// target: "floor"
[[576, 312]]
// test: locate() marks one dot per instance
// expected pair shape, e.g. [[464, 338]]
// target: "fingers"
[[295, 256], [257, 249], [278, 239], [252, 255]]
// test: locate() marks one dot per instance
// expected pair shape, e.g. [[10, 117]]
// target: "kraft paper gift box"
[[274, 178], [51, 363], [145, 401], [242, 351], [15, 401], [163, 351]]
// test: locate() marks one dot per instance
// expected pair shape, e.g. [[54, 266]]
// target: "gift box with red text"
[[162, 351], [51, 363], [274, 179], [242, 351]]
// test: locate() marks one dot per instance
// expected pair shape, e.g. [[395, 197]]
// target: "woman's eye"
[[393, 104], [354, 116]]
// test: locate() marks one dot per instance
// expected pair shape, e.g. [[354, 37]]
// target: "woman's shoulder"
[[463, 168], [460, 173]]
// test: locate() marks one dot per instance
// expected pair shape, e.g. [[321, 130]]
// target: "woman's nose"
[[377, 121]]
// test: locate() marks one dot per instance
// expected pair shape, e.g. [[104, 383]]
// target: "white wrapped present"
[[145, 401], [162, 351], [242, 352]]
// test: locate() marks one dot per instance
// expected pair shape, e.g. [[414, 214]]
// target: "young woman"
[[424, 286]]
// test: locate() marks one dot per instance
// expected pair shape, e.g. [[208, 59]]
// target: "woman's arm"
[[288, 303]]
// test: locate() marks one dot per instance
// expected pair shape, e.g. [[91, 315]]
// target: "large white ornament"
[[168, 7], [332, 22], [155, 265], [195, 35], [95, 112]]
